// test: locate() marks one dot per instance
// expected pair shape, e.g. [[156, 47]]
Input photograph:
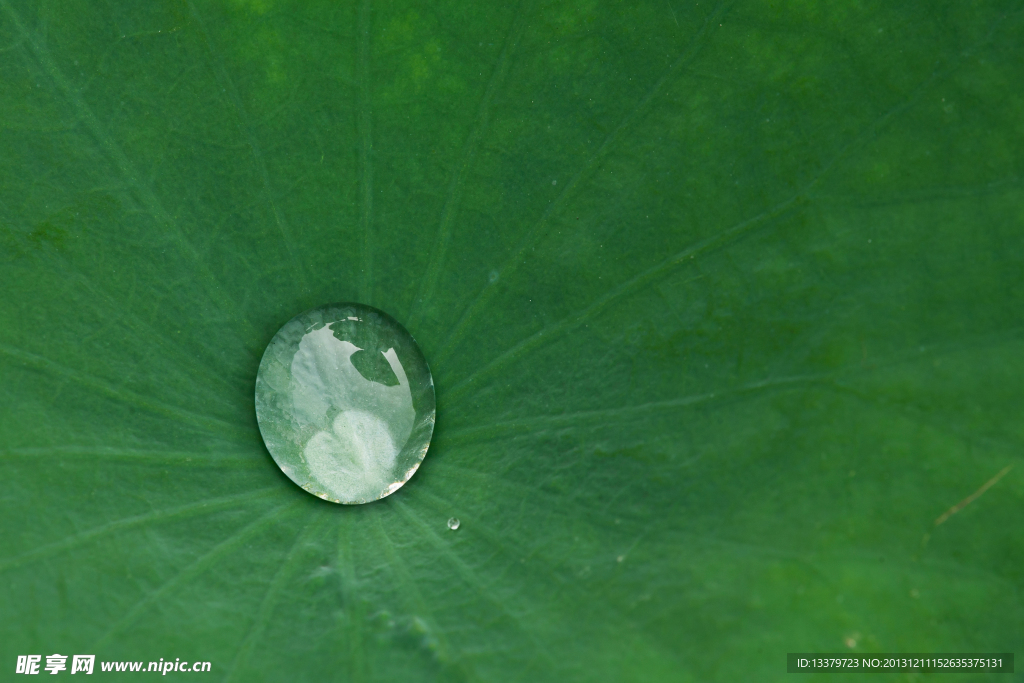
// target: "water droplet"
[[453, 523], [345, 403], [493, 277]]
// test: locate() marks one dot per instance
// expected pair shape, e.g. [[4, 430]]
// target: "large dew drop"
[[345, 403]]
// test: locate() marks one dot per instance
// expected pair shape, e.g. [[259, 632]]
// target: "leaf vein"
[[537, 232], [454, 197], [116, 526]]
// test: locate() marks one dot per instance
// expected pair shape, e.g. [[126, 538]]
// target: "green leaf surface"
[[722, 302]]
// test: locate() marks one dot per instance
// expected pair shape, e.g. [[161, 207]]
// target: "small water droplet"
[[453, 523], [345, 403], [493, 277], [554, 182]]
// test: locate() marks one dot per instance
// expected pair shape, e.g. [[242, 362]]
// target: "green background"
[[723, 304]]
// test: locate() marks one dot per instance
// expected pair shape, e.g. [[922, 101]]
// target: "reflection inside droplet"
[[345, 403]]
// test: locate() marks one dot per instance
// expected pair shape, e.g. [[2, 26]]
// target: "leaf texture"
[[722, 303]]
